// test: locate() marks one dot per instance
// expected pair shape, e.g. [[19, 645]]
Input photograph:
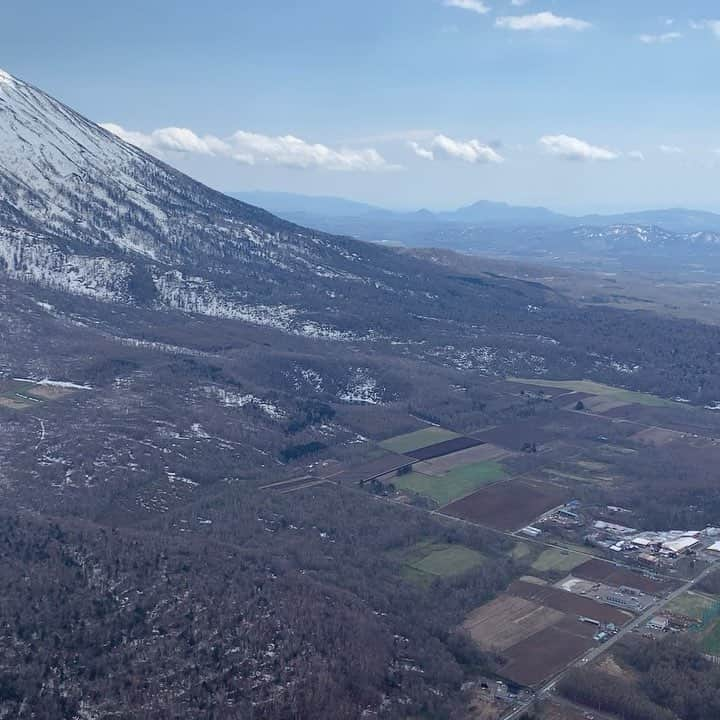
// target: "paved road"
[[595, 653]]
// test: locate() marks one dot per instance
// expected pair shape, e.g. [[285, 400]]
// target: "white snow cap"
[[6, 78]]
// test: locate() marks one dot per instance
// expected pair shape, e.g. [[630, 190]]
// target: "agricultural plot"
[[515, 436], [655, 436], [509, 505], [455, 484], [508, 620], [372, 469], [537, 629], [446, 463], [446, 447], [710, 642], [555, 560], [427, 561], [693, 605], [25, 394], [567, 602], [415, 440], [602, 404], [609, 574], [682, 418], [543, 655], [595, 388]]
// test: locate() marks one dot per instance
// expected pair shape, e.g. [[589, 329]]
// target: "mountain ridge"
[[483, 212]]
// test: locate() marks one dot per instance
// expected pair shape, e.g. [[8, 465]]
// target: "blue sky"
[[579, 105]]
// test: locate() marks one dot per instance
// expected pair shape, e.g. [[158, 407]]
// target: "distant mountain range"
[[650, 239], [297, 207]]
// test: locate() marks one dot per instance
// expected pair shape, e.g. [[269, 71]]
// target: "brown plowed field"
[[514, 436], [545, 654], [444, 448], [608, 574], [508, 620], [509, 505], [567, 602]]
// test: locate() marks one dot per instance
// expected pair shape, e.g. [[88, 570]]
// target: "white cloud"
[[668, 37], [476, 6], [572, 148], [420, 151], [519, 3], [636, 155], [540, 21], [471, 151], [671, 150], [171, 139], [251, 148], [712, 25]]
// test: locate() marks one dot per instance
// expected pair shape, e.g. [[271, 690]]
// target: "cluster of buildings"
[[653, 547]]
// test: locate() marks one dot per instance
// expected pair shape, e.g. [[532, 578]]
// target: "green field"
[[710, 643], [692, 604], [595, 388], [418, 439], [426, 561], [455, 484], [521, 551], [554, 560]]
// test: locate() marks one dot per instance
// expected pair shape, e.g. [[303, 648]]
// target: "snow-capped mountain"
[[84, 212]]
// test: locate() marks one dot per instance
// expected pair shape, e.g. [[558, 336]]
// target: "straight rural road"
[[595, 653]]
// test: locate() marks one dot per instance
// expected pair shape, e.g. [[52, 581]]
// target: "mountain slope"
[[84, 212]]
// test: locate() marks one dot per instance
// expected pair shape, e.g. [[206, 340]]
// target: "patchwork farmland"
[[560, 488], [538, 630]]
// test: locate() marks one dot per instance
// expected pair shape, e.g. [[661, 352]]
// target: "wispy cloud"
[[420, 151], [671, 150], [470, 151], [476, 6], [519, 3], [712, 25], [649, 39], [572, 148], [541, 21], [636, 155], [254, 148]]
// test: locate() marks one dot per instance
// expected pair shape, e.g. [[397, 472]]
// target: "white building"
[[681, 544]]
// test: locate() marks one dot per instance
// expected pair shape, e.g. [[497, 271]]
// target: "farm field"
[[693, 605], [595, 388], [455, 484], [508, 620], [553, 560], [609, 574], [418, 439], [690, 420], [23, 395], [509, 505], [710, 642], [515, 435], [567, 602], [537, 629], [446, 463], [426, 561], [656, 436], [371, 469], [447, 447], [541, 656]]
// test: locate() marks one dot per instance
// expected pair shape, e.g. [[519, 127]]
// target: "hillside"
[[168, 355]]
